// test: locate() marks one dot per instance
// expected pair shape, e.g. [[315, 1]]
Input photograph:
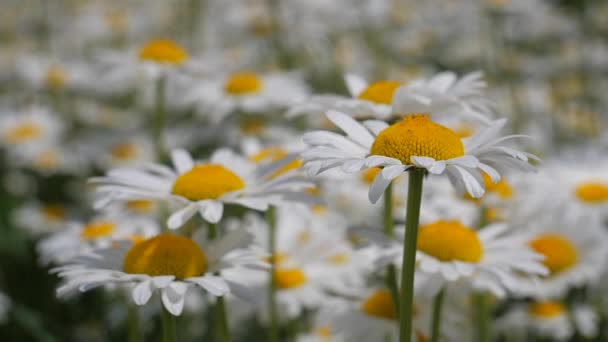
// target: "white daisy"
[[493, 258], [34, 127], [166, 262], [40, 218], [414, 142], [226, 178], [125, 152]]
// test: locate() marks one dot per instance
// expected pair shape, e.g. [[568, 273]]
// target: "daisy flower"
[[248, 92], [41, 218], [443, 94], [30, 128], [492, 258], [575, 256], [125, 152], [226, 178], [168, 263], [414, 142]]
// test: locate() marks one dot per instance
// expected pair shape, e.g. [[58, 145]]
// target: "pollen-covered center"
[[592, 192], [166, 254], [546, 309], [96, 230], [163, 51], [560, 254], [124, 151], [24, 132], [289, 278], [448, 241], [207, 181], [417, 135], [380, 92], [243, 83], [380, 304]]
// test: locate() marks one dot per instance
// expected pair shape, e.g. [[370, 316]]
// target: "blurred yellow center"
[[546, 309], [289, 278], [124, 151], [207, 181], [163, 51], [56, 77], [324, 332], [380, 304], [368, 175], [166, 254], [338, 259], [448, 241], [416, 135], [117, 20], [560, 254], [53, 212], [243, 83], [48, 159], [96, 230], [592, 192], [24, 132], [272, 154], [140, 206], [380, 92]]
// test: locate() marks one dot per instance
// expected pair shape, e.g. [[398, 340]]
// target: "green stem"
[[211, 231], [169, 334], [133, 319], [159, 119], [222, 319], [272, 287], [414, 196], [437, 305], [483, 317], [388, 221]]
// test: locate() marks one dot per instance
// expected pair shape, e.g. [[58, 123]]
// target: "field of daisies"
[[303, 170]]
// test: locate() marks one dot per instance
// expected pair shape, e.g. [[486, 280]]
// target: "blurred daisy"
[[99, 232], [549, 319], [247, 92], [168, 263], [226, 178], [40, 218], [492, 258], [574, 254], [125, 152], [30, 128], [414, 142]]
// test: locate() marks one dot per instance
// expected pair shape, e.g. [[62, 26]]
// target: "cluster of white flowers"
[[311, 170]]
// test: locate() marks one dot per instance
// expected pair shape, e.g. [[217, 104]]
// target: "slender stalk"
[[133, 320], [272, 287], [169, 333], [414, 197], [389, 230], [482, 316], [211, 231], [222, 320], [158, 125], [437, 305]]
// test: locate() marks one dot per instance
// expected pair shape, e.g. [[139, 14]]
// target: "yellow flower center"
[[123, 151], [289, 278], [380, 304], [96, 230], [560, 254], [277, 258], [208, 181], [272, 154], [338, 259], [252, 126], [416, 135], [502, 189], [546, 309], [449, 240], [592, 192], [243, 83], [48, 159], [163, 51], [56, 77], [53, 212], [368, 175], [380, 92], [166, 254], [24, 132], [324, 332], [140, 206]]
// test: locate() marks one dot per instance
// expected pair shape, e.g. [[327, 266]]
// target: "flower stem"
[[437, 305], [483, 317], [159, 119], [389, 229], [271, 219], [414, 197], [133, 320], [222, 319], [169, 334]]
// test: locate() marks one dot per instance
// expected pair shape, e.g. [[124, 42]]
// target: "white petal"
[[213, 284], [377, 188], [142, 292], [173, 297], [355, 84], [182, 160], [392, 172], [211, 211], [424, 162], [352, 128], [178, 218]]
